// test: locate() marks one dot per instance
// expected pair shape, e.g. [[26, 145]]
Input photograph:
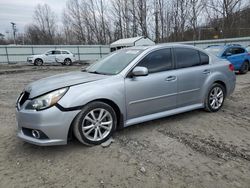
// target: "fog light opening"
[[35, 134]]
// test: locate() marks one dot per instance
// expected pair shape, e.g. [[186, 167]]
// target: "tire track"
[[208, 146]]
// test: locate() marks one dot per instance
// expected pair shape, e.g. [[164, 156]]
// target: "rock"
[[143, 170], [107, 143]]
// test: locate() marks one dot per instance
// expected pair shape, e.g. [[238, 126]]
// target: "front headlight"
[[47, 100]]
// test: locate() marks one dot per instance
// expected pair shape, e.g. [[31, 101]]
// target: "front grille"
[[23, 97]]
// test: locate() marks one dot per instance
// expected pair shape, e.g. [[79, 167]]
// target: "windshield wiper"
[[95, 72]]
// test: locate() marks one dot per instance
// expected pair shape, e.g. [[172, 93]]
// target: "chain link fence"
[[19, 53]]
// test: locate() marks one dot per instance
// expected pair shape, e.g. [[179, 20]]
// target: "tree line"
[[105, 21]]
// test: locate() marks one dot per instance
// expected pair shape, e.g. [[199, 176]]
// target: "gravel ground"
[[194, 149]]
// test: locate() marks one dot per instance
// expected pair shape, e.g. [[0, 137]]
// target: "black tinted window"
[[157, 61], [186, 57], [56, 52], [234, 51], [204, 58], [239, 50]]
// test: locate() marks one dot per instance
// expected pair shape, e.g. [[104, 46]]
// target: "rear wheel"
[[67, 62], [95, 124], [215, 98], [38, 62], [244, 68]]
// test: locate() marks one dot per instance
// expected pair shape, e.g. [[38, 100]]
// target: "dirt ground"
[[194, 149]]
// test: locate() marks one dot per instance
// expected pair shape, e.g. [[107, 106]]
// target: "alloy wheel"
[[216, 98], [67, 62], [97, 124]]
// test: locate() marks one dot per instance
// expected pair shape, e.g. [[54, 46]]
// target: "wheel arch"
[[119, 115], [223, 84], [67, 58]]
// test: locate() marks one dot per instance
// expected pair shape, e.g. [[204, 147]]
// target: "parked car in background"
[[127, 87], [64, 57], [236, 54]]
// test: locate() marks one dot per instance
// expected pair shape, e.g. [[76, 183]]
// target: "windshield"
[[215, 50], [114, 62]]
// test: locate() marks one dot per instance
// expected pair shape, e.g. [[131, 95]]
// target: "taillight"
[[231, 67]]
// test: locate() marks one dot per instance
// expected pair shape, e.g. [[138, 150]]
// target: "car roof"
[[226, 45], [162, 45], [58, 50]]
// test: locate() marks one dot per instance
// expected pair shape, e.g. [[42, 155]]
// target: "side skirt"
[[162, 114]]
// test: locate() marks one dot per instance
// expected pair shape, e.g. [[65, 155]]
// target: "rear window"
[[204, 58]]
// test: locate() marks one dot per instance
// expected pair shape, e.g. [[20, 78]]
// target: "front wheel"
[[38, 62], [215, 98], [95, 123]]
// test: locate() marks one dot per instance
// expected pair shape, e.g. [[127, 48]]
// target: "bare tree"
[[196, 8], [44, 21], [225, 11]]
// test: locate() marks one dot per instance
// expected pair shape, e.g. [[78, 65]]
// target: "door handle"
[[207, 71], [170, 78]]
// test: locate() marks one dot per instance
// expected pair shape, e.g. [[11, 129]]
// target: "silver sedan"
[[127, 87]]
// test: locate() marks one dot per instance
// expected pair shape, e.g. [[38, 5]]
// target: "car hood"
[[48, 84]]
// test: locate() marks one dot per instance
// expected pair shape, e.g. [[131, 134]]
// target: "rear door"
[[192, 68], [155, 92]]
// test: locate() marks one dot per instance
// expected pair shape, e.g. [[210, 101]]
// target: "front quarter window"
[[115, 62]]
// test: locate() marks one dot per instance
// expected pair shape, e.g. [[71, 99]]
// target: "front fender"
[[111, 89]]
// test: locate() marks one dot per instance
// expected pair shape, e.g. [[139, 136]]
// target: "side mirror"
[[140, 71], [228, 54], [46, 54]]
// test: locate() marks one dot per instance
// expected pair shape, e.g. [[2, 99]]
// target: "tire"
[[244, 67], [213, 101], [38, 62], [98, 120], [67, 62]]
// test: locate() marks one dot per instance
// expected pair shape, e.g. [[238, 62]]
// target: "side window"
[[204, 58], [234, 51], [157, 61], [65, 52], [186, 57], [57, 52], [239, 50]]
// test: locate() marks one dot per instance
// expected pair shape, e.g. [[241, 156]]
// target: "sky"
[[21, 12]]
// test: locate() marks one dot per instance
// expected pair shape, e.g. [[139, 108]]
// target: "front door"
[[155, 92]]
